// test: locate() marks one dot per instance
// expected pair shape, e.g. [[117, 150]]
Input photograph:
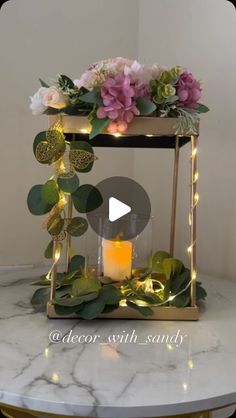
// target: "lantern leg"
[[192, 218], [68, 238], [54, 272], [174, 197]]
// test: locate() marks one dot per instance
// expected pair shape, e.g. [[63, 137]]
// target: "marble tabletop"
[[184, 367]]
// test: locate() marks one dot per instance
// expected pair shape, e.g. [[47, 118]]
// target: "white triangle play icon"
[[117, 209]]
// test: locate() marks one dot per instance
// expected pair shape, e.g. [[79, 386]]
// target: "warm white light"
[[84, 131], [171, 298], [196, 198], [46, 352], [194, 275], [123, 302], [169, 346], [190, 219], [55, 377], [196, 177], [190, 364], [194, 152], [117, 134], [185, 387], [190, 249], [149, 135]]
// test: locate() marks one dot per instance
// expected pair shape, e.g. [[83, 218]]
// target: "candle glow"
[[117, 259]]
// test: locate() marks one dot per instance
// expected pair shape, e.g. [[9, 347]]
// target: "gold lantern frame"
[[143, 132]]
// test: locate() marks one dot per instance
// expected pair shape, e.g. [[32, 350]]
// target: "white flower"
[[37, 105], [53, 97]]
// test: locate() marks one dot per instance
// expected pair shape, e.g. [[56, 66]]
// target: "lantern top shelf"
[[142, 132]]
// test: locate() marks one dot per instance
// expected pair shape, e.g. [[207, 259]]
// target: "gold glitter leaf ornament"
[[51, 148], [81, 156]]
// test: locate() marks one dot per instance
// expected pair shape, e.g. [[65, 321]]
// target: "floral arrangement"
[[114, 91]]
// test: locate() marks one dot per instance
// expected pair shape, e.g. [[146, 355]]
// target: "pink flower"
[[188, 90], [53, 97], [119, 104]]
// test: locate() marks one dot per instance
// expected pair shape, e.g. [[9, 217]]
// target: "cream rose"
[[53, 97]]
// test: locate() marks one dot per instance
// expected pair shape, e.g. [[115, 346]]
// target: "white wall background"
[[42, 38]]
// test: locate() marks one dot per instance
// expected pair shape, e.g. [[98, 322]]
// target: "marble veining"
[[103, 379]]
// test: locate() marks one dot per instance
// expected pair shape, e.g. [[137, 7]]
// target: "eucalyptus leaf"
[[157, 260], [145, 106], [85, 285], [77, 263], [43, 83], [66, 310], [200, 292], [41, 296], [110, 308], [201, 108], [68, 278], [110, 294], [40, 137], [55, 224], [48, 253], [144, 310], [180, 281], [86, 198], [77, 226], [93, 97], [182, 300], [50, 192], [36, 205], [172, 267], [98, 125], [68, 185], [52, 111], [92, 309]]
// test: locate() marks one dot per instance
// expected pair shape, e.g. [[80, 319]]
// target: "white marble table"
[[122, 380]]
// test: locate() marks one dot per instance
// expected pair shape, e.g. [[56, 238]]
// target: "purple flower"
[[119, 103], [188, 90]]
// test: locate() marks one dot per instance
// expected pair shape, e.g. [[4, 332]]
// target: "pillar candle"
[[117, 259]]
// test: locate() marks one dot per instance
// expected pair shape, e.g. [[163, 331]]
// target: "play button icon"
[[125, 211], [117, 209]]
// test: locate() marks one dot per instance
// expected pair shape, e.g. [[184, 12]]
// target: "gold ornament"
[[80, 159]]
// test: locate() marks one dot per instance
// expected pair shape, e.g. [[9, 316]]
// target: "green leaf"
[[40, 137], [66, 310], [55, 225], [110, 294], [81, 146], [85, 285], [68, 185], [110, 308], [77, 226], [49, 250], [200, 292], [65, 82], [52, 111], [93, 96], [48, 253], [41, 296], [43, 84], [43, 281], [98, 125], [182, 300], [92, 309], [157, 260], [180, 281], [68, 279], [36, 205], [50, 192], [144, 310], [77, 263], [201, 108], [86, 198], [172, 267], [145, 106]]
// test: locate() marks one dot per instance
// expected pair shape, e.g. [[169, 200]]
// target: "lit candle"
[[117, 259]]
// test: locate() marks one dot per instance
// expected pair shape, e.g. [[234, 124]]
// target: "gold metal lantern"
[[143, 132]]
